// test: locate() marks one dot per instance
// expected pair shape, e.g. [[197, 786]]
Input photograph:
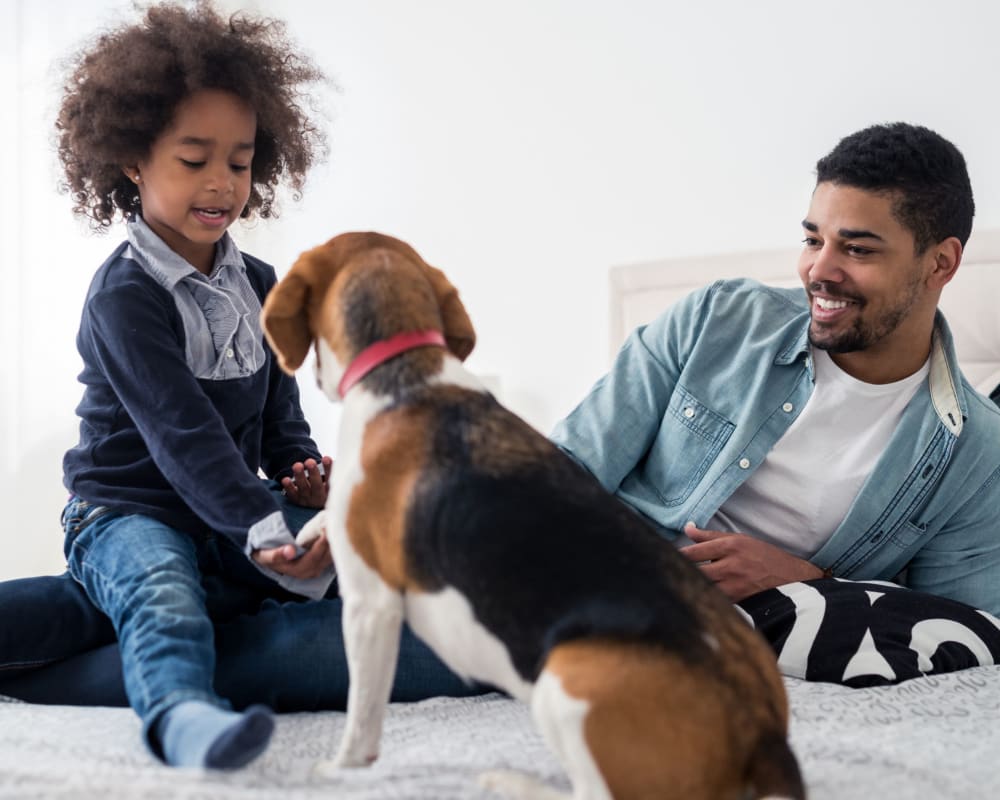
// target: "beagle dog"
[[509, 559]]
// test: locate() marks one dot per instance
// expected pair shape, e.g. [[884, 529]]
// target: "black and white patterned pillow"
[[870, 633]]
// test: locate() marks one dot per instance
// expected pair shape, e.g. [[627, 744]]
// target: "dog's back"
[[579, 601]]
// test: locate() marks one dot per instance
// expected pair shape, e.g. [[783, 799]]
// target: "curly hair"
[[123, 90], [925, 172]]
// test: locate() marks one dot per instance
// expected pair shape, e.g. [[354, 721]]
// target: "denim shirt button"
[[744, 463], [787, 408], [688, 412]]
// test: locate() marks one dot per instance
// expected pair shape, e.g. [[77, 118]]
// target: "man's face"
[[867, 287]]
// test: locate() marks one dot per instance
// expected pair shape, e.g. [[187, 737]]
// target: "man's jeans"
[[270, 647]]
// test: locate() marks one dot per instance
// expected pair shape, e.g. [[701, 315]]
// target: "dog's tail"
[[773, 770]]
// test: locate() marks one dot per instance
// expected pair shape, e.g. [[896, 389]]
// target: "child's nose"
[[220, 179]]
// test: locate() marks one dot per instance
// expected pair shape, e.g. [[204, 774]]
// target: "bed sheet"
[[934, 737]]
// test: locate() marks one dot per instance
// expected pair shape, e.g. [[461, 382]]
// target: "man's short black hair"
[[925, 172]]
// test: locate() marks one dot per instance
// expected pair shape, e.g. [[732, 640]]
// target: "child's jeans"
[[146, 577], [270, 647]]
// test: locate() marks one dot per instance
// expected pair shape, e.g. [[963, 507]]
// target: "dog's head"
[[357, 289]]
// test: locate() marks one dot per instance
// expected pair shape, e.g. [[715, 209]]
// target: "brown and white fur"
[[511, 562]]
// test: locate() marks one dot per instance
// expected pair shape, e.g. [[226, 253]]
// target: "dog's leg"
[[372, 623], [560, 719]]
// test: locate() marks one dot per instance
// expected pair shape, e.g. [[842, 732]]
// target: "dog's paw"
[[313, 529], [354, 760], [325, 769], [331, 767], [508, 783], [354, 755]]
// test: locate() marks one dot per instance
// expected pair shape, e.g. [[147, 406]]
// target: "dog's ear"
[[458, 330], [285, 321]]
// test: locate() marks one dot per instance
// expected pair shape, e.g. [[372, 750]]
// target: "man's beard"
[[863, 333]]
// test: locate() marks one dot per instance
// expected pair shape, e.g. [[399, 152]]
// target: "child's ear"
[[132, 173]]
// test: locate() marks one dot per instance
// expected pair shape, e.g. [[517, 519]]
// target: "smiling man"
[[793, 435]]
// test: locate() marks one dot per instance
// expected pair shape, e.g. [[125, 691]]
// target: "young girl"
[[182, 124]]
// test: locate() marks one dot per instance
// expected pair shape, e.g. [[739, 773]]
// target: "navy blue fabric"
[[157, 441]]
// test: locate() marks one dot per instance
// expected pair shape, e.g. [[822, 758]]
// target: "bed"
[[934, 737], [930, 737]]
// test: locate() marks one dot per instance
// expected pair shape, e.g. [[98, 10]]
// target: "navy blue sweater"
[[156, 440]]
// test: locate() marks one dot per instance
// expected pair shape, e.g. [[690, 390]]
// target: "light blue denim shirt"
[[696, 399]]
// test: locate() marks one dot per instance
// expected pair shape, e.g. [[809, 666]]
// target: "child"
[[183, 124]]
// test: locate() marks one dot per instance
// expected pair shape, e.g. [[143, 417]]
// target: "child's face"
[[196, 179]]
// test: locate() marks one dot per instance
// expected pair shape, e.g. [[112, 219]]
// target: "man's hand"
[[310, 564], [741, 565], [307, 487]]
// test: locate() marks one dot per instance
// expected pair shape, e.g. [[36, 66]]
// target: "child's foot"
[[198, 734]]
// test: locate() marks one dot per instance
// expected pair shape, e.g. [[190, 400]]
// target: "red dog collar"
[[380, 352]]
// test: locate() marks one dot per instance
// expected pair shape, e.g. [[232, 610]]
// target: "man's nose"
[[825, 265]]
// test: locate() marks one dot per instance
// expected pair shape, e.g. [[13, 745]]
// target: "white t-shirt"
[[805, 486]]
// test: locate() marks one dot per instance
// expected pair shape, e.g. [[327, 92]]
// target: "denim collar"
[[944, 381], [947, 395]]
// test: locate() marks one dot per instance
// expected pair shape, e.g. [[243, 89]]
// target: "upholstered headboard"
[[971, 302]]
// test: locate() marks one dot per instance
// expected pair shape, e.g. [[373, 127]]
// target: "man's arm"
[[613, 427], [962, 561]]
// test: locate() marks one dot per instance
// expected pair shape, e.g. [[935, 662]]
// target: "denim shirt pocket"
[[908, 534], [690, 437]]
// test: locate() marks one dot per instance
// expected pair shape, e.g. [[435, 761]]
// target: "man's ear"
[[458, 330], [285, 321], [947, 258]]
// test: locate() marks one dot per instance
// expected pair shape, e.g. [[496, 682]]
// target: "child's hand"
[[312, 563], [309, 483]]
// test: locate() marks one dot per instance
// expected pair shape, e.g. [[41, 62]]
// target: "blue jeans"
[[271, 647]]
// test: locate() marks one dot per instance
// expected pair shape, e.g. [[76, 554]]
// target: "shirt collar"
[[165, 265], [944, 379]]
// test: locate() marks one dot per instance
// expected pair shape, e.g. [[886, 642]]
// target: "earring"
[[136, 178]]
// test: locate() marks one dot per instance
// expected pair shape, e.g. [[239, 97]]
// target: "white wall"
[[523, 146]]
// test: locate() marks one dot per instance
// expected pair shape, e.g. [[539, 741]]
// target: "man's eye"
[[810, 241], [854, 250]]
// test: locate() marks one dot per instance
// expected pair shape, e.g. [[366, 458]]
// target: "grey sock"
[[198, 734]]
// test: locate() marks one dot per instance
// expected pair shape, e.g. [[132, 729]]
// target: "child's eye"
[[239, 167], [192, 164]]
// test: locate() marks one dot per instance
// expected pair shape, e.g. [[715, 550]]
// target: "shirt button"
[[787, 408], [744, 463], [229, 353], [689, 412]]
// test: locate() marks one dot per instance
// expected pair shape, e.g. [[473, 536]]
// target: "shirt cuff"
[[272, 532]]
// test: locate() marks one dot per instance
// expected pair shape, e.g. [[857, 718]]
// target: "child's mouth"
[[210, 216]]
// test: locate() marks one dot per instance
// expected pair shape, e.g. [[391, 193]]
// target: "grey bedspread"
[[934, 737]]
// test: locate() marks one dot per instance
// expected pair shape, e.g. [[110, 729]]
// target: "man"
[[792, 434]]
